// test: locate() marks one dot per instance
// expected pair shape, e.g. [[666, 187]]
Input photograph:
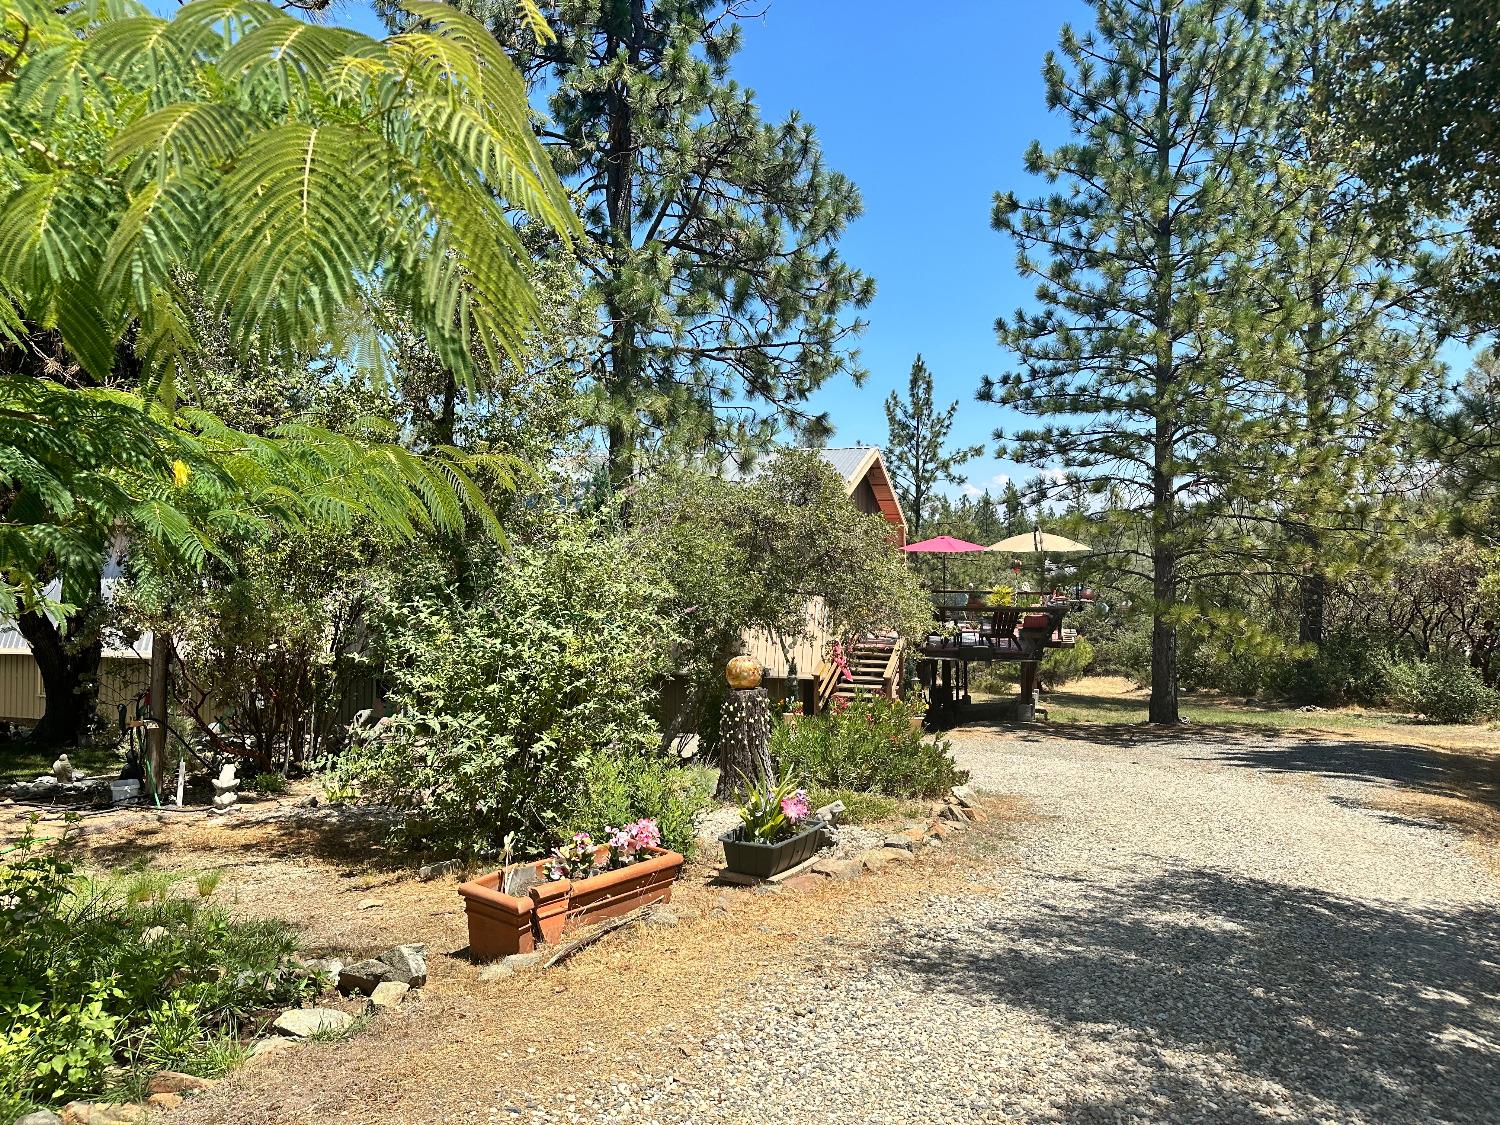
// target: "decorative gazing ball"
[[743, 672]]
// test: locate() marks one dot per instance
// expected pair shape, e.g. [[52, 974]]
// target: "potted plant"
[[777, 831], [522, 905]]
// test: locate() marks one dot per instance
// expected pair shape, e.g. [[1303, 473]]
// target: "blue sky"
[[929, 117], [928, 110]]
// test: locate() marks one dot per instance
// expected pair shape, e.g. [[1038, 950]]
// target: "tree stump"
[[744, 742]]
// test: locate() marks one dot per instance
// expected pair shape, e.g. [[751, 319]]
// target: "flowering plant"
[[626, 844], [773, 812], [575, 859], [580, 857]]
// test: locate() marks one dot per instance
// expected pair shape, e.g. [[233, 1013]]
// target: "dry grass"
[[1114, 700], [629, 1008]]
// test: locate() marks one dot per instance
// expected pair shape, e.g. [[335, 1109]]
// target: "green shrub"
[[513, 700], [614, 791], [1448, 690], [872, 745], [1349, 667], [102, 981]]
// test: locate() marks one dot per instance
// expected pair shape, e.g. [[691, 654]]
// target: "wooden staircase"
[[874, 669]]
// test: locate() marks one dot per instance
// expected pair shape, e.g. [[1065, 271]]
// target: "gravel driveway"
[[1200, 928]]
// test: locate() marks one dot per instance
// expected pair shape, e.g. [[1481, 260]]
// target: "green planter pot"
[[761, 861]]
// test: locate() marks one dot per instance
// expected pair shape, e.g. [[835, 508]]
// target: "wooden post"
[[744, 742], [1026, 704], [156, 733]]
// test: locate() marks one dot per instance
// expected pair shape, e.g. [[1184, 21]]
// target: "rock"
[[954, 813], [388, 995], [164, 1101], [370, 904], [497, 970], [408, 963], [430, 871], [839, 868], [875, 859], [520, 962], [308, 802], [364, 976], [102, 1113], [40, 1117], [801, 883], [899, 843], [965, 795], [661, 916], [42, 789], [176, 1082], [153, 934], [897, 855], [301, 1023], [270, 1046], [939, 829], [917, 834]]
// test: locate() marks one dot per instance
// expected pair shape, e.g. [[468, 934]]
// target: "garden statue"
[[744, 738], [62, 769], [226, 787]]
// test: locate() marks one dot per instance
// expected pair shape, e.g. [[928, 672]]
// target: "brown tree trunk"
[[68, 660], [744, 743]]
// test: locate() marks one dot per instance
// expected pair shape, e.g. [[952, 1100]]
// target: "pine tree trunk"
[[1313, 600], [69, 662], [744, 743]]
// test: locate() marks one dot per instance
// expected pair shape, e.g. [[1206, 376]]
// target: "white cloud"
[[970, 490]]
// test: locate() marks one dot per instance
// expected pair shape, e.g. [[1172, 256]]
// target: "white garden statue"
[[226, 788]]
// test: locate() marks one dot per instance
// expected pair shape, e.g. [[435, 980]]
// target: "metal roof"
[[848, 461], [116, 645]]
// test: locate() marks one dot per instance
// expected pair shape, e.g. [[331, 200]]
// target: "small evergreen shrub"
[[873, 745], [1448, 690], [616, 791]]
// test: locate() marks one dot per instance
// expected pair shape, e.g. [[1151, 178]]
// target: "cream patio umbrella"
[[1040, 543]]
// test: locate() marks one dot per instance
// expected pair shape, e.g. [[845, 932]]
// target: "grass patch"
[[1103, 702], [867, 808], [25, 761]]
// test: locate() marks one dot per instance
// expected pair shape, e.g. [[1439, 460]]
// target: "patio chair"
[[1003, 627]]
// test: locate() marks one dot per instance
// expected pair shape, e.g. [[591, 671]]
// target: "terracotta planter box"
[[751, 857], [501, 924], [1037, 621]]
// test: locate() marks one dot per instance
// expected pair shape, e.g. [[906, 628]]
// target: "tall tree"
[[723, 302], [916, 447], [1340, 286], [1416, 92], [1137, 356]]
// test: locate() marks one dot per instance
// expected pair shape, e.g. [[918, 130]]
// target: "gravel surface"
[[1200, 928]]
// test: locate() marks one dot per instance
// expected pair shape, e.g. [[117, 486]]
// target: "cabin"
[[870, 490]]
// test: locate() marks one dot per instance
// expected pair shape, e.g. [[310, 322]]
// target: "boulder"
[[176, 1082], [430, 871], [330, 967], [40, 1117], [899, 843], [965, 795], [364, 976], [839, 868], [270, 1046], [102, 1113], [388, 995], [164, 1101], [302, 1023], [408, 962]]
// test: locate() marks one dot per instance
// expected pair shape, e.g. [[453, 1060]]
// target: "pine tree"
[[1339, 286], [916, 453], [1139, 350], [713, 234]]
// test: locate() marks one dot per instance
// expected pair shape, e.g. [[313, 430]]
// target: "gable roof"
[[856, 464]]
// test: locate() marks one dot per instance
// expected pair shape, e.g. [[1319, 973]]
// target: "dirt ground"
[[635, 1003]]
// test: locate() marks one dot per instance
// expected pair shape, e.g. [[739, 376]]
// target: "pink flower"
[[796, 805], [644, 833]]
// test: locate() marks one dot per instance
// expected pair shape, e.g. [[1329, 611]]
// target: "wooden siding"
[[22, 699], [808, 651]]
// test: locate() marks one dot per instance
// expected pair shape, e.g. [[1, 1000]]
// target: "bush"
[[102, 982], [615, 791], [1448, 690], [872, 745], [516, 702], [1349, 667]]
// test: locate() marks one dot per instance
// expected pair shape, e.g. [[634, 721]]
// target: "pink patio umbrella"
[[944, 545]]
